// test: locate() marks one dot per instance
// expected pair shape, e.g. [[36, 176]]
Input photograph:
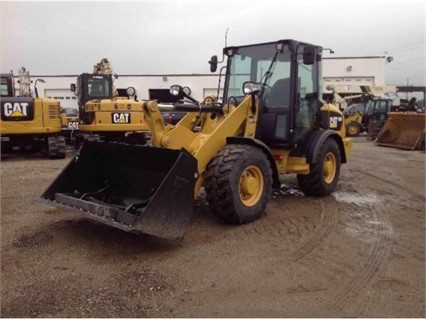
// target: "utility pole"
[[406, 93]]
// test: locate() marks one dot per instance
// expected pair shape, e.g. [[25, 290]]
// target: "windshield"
[[98, 87], [71, 112], [4, 87], [289, 97], [260, 63]]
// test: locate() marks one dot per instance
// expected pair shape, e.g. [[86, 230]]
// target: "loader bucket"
[[403, 130], [134, 188]]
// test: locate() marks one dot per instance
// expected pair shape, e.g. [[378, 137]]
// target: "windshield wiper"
[[268, 73]]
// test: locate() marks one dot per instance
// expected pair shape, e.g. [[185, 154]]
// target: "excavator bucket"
[[403, 130], [134, 188]]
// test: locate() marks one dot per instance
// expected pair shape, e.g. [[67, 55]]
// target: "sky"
[[179, 37]]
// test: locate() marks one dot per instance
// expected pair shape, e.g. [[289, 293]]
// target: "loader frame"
[[270, 121]]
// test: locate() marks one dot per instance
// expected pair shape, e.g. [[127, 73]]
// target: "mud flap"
[[131, 187], [403, 130]]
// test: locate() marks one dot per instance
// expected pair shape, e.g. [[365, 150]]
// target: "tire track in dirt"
[[277, 227], [374, 266], [328, 222], [380, 252], [397, 185]]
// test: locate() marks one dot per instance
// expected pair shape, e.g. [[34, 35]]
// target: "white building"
[[351, 71], [368, 70]]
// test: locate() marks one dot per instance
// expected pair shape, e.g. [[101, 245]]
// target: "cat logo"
[[121, 118], [16, 109], [335, 122]]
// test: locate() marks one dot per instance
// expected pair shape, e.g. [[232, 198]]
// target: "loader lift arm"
[[204, 141]]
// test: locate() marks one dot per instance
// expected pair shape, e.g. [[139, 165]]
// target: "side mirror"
[[73, 88], [251, 87], [309, 55], [213, 63]]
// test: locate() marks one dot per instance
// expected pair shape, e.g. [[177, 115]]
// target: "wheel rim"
[[251, 186], [329, 168], [352, 129]]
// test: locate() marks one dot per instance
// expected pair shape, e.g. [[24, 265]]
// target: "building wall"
[[354, 71], [336, 71]]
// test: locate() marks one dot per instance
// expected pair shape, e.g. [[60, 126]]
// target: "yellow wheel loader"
[[353, 119], [269, 122], [27, 122]]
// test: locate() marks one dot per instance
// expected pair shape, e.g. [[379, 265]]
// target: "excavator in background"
[[103, 114], [271, 121], [27, 122]]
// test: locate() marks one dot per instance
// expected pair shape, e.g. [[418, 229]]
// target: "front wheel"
[[239, 183], [324, 173], [353, 129]]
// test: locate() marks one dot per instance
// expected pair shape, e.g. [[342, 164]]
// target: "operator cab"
[[6, 85], [377, 109], [288, 74], [376, 114], [91, 87]]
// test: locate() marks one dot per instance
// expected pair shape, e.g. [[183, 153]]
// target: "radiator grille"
[[53, 112]]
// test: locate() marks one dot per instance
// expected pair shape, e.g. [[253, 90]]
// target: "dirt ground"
[[357, 253]]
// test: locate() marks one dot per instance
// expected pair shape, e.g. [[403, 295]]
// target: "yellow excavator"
[[103, 114], [270, 121], [29, 122]]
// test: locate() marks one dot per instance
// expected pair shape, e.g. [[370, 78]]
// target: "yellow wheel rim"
[[352, 129], [329, 168], [251, 186]]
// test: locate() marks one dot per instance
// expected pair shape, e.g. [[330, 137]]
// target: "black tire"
[[353, 129], [238, 183], [324, 173]]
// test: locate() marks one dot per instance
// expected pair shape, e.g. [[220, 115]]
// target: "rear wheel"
[[353, 129], [238, 183], [324, 173]]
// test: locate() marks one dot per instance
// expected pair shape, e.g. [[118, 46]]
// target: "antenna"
[[226, 37]]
